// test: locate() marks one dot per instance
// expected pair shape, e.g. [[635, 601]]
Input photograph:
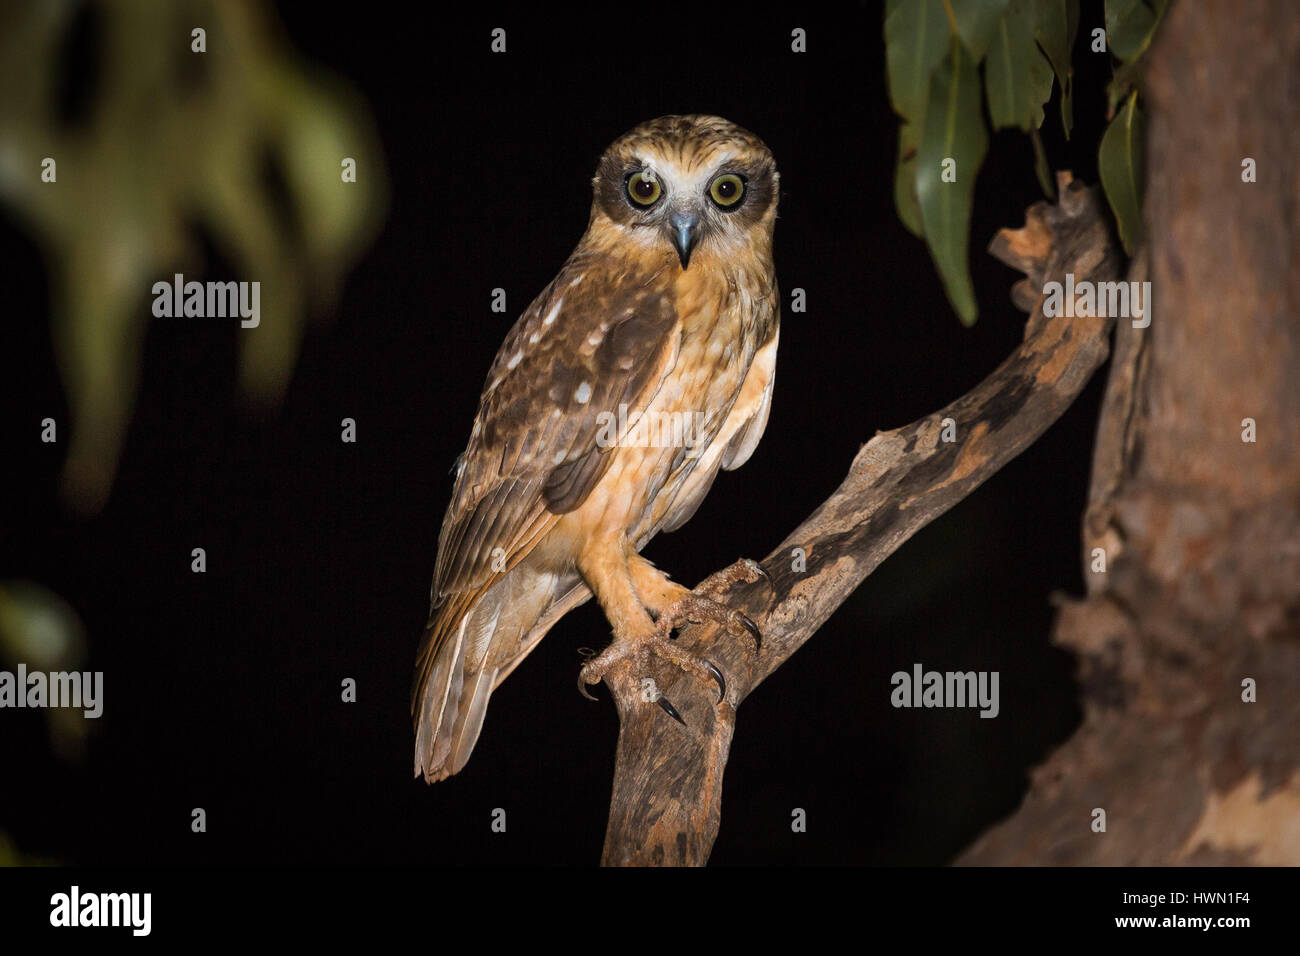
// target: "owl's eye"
[[727, 190], [643, 188]]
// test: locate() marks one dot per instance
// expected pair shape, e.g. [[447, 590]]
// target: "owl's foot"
[[638, 652], [699, 606]]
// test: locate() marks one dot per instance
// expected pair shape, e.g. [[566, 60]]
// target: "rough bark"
[[668, 778], [1201, 530]]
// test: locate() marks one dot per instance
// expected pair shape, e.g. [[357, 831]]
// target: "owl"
[[644, 367]]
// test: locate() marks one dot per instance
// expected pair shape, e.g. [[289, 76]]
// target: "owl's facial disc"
[[679, 215]]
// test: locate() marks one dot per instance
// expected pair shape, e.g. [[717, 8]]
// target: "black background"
[[223, 689]]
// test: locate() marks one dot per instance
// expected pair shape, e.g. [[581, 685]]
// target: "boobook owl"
[[643, 368]]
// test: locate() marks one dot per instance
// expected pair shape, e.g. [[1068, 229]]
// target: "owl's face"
[[687, 183]]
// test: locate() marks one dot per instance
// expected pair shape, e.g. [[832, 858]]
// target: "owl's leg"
[[657, 591], [672, 604], [610, 569]]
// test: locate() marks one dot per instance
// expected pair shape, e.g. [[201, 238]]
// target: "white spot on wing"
[[555, 310], [515, 360], [583, 394]]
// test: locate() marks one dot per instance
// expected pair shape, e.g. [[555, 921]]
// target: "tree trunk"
[[1200, 529]]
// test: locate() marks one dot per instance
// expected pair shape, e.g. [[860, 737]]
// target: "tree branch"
[[666, 804]]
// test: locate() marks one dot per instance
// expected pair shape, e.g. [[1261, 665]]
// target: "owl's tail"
[[469, 647]]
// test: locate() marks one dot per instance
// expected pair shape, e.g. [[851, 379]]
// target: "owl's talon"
[[582, 687], [744, 621], [667, 707], [716, 674]]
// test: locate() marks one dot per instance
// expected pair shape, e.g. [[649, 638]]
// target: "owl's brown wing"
[[588, 344]]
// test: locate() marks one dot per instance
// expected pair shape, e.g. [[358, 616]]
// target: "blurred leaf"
[[1042, 169], [1121, 84], [1056, 24], [954, 130], [41, 630], [909, 211], [976, 21], [916, 38], [1017, 76], [1120, 164], [1067, 105], [171, 146], [1130, 25], [39, 627]]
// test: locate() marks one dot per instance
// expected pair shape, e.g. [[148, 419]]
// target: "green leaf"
[[1130, 25], [1120, 164], [917, 33], [1042, 169], [976, 20], [1016, 75], [954, 130], [1067, 106], [1121, 84], [1056, 24], [909, 211]]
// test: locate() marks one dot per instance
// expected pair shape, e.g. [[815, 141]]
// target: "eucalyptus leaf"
[[1121, 84], [1017, 77], [909, 211], [917, 34], [157, 165], [1120, 163], [1056, 25], [976, 20], [1042, 169], [953, 143], [1067, 106], [1130, 25]]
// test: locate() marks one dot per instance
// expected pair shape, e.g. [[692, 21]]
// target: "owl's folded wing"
[[588, 344]]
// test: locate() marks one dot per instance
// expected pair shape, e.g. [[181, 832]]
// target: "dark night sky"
[[222, 689]]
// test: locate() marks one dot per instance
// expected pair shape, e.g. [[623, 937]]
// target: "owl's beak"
[[683, 225]]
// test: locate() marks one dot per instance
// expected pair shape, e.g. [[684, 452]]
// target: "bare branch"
[[667, 793]]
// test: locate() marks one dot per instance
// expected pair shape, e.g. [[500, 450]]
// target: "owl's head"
[[687, 183]]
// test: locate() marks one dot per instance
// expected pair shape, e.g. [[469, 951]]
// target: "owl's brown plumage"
[[667, 307]]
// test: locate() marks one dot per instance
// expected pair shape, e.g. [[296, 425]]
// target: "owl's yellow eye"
[[727, 190], [643, 188]]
